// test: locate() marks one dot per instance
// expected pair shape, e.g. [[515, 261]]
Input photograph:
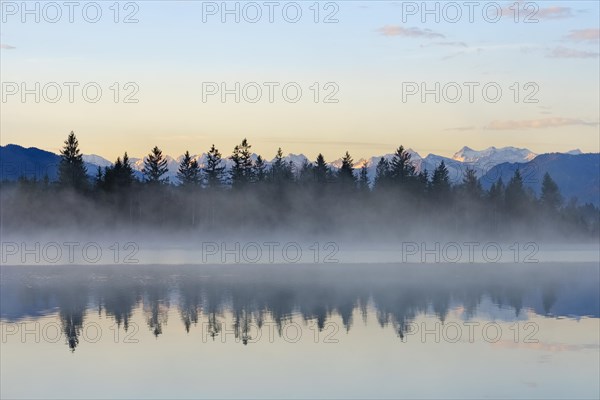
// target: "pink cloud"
[[584, 35], [537, 124], [395, 30]]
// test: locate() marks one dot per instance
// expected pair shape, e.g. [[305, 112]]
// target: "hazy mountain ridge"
[[575, 173]]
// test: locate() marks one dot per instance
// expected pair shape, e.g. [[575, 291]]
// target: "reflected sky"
[[358, 331]]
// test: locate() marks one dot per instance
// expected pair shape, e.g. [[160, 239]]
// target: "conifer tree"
[[72, 172], [321, 170], [550, 198], [471, 184], [155, 166], [401, 168], [189, 171], [260, 170], [213, 170], [346, 173], [440, 182], [99, 179], [363, 179], [382, 173], [281, 171], [242, 170], [515, 195]]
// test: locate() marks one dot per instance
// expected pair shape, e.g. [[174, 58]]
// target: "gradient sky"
[[369, 54]]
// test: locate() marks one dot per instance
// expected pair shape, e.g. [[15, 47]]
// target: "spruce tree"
[[306, 172], [155, 166], [346, 173], [401, 168], [496, 193], [127, 175], [72, 172], [382, 173], [260, 169], [363, 179], [440, 182], [118, 176], [550, 198], [471, 184], [99, 179], [321, 170], [515, 196], [423, 181], [281, 171], [242, 170], [213, 170], [189, 171]]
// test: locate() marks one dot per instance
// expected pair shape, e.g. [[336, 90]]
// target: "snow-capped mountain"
[[576, 173], [96, 160], [575, 152], [493, 155], [479, 160]]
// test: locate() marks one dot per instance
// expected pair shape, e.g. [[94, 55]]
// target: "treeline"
[[255, 197]]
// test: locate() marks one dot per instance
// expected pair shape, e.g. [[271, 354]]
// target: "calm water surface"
[[343, 331]]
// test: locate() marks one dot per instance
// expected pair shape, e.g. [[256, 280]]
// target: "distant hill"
[[17, 161], [577, 175]]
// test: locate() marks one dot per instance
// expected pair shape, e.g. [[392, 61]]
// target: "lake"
[[301, 331]]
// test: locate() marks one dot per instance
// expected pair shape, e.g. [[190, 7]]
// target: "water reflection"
[[396, 294]]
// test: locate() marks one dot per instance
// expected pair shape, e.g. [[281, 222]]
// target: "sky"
[[358, 76]]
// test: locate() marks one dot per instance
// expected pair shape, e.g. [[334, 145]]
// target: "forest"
[[258, 197]]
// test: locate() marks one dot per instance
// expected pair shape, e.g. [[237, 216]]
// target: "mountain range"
[[577, 174]]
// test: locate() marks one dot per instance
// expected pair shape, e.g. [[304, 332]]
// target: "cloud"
[[537, 124], [554, 12], [529, 13], [565, 52], [7, 47], [584, 35], [395, 30]]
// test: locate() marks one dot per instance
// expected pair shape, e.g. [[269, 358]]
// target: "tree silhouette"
[[118, 176], [189, 171], [321, 170], [363, 179], [155, 166], [242, 170], [72, 172], [471, 184], [213, 171], [260, 170], [550, 197], [401, 169], [281, 171], [515, 196], [382, 173], [440, 182], [346, 172]]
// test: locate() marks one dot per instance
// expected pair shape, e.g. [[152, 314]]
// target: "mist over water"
[[381, 266]]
